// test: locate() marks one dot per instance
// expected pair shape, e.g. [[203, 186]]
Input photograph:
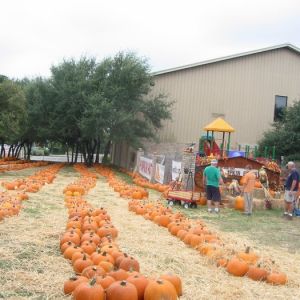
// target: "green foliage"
[[84, 104], [285, 135], [13, 111]]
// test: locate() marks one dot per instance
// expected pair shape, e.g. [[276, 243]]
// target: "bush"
[[40, 151]]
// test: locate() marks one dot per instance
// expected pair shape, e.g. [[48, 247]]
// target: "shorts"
[[290, 198], [213, 193]]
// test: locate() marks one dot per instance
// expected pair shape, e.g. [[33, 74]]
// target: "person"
[[263, 178], [291, 190], [248, 187], [211, 181]]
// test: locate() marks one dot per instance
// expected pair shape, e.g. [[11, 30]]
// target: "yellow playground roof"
[[219, 125]]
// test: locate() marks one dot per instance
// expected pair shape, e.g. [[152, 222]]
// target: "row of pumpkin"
[[11, 200], [102, 270], [197, 235], [19, 165]]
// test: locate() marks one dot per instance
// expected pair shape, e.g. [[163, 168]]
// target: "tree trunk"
[[72, 161], [2, 154], [106, 151], [98, 151], [29, 147], [76, 152], [10, 150]]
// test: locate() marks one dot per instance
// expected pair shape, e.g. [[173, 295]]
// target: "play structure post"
[[222, 145], [228, 144], [239, 147], [211, 143]]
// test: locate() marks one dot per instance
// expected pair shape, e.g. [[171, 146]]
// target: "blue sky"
[[35, 34]]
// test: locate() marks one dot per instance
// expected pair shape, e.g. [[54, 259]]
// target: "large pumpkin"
[[239, 203], [89, 290], [121, 290], [160, 289]]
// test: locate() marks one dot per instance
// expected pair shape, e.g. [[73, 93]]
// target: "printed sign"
[[145, 167], [176, 168], [236, 172], [159, 173]]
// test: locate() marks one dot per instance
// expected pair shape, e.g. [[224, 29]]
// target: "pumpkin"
[[102, 256], [140, 282], [239, 203], [105, 281], [107, 266], [71, 284], [160, 289], [121, 290], [175, 280], [92, 271], [247, 256], [237, 267], [129, 263], [277, 278], [257, 273], [89, 290], [119, 275], [81, 263]]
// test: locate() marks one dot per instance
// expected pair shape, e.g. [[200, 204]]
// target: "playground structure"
[[208, 145], [233, 161]]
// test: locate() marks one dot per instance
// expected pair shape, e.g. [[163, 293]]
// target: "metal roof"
[[210, 61]]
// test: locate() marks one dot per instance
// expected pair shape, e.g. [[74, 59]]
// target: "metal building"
[[248, 90]]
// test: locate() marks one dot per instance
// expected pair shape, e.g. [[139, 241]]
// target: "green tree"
[[12, 114], [125, 82], [285, 134]]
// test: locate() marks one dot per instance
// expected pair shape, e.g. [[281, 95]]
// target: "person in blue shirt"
[[291, 190]]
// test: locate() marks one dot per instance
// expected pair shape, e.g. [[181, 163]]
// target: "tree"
[[285, 134], [12, 114], [125, 82]]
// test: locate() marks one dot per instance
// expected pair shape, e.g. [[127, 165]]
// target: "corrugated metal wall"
[[242, 89]]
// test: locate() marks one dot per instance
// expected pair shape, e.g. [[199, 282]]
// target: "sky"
[[35, 34]]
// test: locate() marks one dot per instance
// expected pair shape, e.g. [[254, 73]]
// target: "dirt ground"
[[32, 267]]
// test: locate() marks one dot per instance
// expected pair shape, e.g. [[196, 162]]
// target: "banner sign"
[[236, 172], [145, 167], [159, 173], [176, 168]]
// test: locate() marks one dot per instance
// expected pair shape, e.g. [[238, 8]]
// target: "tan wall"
[[243, 89]]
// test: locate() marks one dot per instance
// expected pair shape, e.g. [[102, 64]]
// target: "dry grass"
[[159, 252], [31, 265]]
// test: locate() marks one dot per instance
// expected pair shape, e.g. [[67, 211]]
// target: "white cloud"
[[35, 34]]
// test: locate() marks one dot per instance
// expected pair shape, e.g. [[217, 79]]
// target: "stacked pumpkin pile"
[[19, 165], [11, 200], [196, 235], [34, 182], [102, 270]]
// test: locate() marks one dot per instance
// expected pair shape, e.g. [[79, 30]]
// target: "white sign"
[[159, 173], [146, 167], [237, 172], [176, 168]]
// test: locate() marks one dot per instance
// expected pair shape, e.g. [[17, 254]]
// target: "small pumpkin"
[[257, 273], [237, 267], [71, 284], [140, 282], [277, 278]]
